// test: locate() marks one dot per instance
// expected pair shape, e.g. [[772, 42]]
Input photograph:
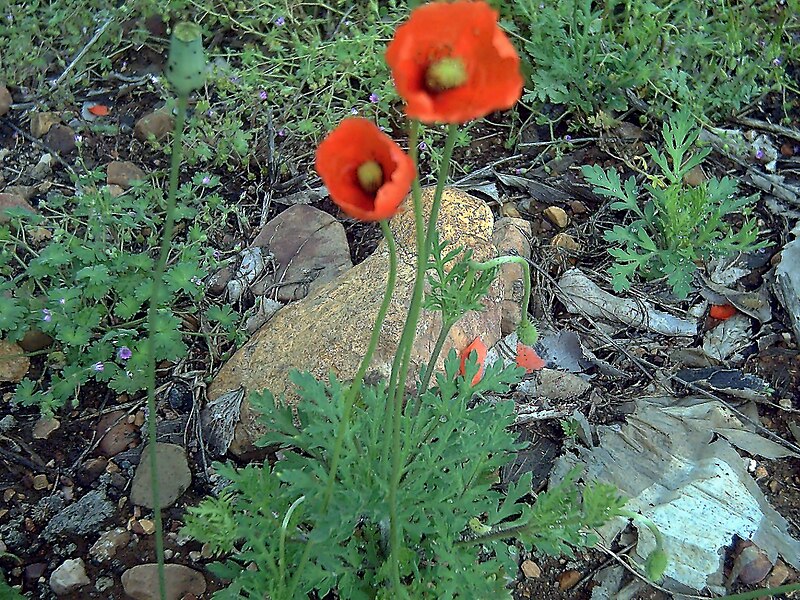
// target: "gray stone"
[[308, 246], [174, 476], [68, 577], [141, 582], [84, 516]]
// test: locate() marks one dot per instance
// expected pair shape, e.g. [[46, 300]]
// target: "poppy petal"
[[722, 312], [480, 349], [99, 110], [528, 359]]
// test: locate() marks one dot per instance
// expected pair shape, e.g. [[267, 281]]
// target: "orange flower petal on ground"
[[528, 359], [366, 173], [722, 311], [452, 63], [99, 110], [479, 347]]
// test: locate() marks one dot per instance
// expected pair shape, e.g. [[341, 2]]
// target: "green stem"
[[526, 280], [152, 311], [783, 589], [352, 394], [355, 387], [437, 349]]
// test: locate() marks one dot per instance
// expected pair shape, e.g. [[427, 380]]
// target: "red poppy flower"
[[480, 348], [528, 359], [366, 173], [722, 311], [452, 63]]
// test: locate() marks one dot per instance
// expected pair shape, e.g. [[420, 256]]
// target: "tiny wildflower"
[[353, 111], [197, 281], [262, 94], [124, 353], [280, 21], [206, 180], [759, 154], [98, 367], [47, 315], [62, 301], [216, 254], [777, 62], [373, 97], [281, 132], [568, 138], [78, 138], [422, 145]]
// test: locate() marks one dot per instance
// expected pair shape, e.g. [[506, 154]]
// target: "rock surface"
[[13, 362], [107, 545], [156, 124], [118, 434], [174, 476], [8, 201], [512, 237], [41, 122], [141, 582], [5, 100], [80, 518], [329, 330], [61, 139], [308, 246], [123, 173], [557, 216], [68, 577]]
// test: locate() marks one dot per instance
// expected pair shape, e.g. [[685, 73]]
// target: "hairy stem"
[[152, 312]]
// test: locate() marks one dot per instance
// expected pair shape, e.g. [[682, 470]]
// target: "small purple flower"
[[124, 353], [373, 97], [353, 111], [422, 145], [62, 301], [281, 132], [280, 21], [78, 138], [47, 315], [568, 138], [98, 367], [759, 154], [777, 62], [216, 254], [206, 180], [262, 94], [235, 79]]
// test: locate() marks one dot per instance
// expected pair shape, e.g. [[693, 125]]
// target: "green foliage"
[[449, 506], [710, 57], [39, 38], [88, 286], [455, 287], [678, 226]]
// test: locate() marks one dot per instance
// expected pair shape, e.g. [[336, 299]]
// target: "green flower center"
[[446, 74], [370, 176]]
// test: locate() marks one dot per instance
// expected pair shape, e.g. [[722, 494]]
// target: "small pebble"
[[531, 570], [557, 216], [40, 482], [568, 579]]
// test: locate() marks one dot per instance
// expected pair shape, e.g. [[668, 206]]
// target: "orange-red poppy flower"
[[452, 63], [528, 359], [722, 311], [480, 349], [366, 173]]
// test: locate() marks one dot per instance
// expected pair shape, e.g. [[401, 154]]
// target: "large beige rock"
[[512, 236], [329, 330]]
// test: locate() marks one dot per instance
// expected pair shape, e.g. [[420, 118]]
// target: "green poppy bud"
[[527, 333], [655, 564], [186, 64]]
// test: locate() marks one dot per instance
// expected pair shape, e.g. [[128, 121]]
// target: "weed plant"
[[679, 226]]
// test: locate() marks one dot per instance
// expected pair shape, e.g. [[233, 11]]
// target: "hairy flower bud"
[[527, 332]]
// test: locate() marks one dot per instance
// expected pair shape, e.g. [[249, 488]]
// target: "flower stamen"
[[445, 74], [370, 176]]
